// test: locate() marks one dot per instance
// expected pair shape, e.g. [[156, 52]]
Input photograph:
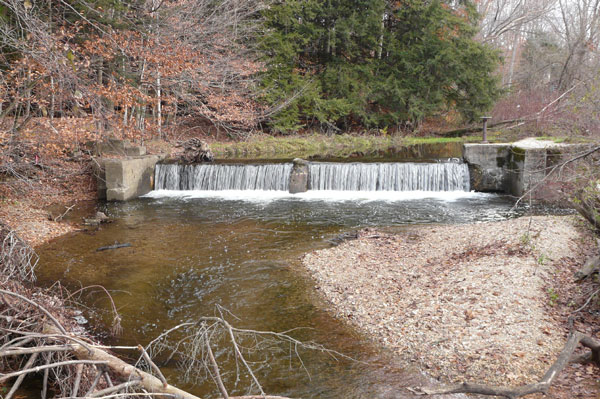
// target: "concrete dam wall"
[[125, 172]]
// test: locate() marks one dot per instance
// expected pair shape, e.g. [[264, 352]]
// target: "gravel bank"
[[466, 302]]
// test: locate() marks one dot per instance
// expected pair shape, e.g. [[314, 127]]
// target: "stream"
[[193, 250]]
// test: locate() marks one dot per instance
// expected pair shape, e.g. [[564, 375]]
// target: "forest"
[[157, 69], [417, 254]]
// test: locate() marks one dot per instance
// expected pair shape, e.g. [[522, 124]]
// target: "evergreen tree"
[[377, 63]]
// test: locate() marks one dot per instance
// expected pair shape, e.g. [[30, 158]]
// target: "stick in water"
[[115, 246]]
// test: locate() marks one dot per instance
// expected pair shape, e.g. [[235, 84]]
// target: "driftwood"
[[122, 369], [114, 246], [564, 358], [591, 266], [62, 215], [196, 151], [466, 130]]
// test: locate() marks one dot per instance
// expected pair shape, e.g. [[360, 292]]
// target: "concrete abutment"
[[123, 171], [517, 168]]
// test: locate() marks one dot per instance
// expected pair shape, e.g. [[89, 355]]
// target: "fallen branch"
[[19, 380], [115, 246], [587, 302], [53, 337], [17, 259], [196, 151], [116, 325], [153, 365], [45, 380], [466, 130], [56, 323], [564, 358], [217, 375], [77, 379], [37, 369], [125, 370], [25, 351], [115, 389], [60, 217], [94, 383]]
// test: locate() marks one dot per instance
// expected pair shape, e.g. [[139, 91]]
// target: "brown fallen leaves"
[[466, 302]]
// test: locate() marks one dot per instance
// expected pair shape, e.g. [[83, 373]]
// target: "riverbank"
[[482, 302], [39, 209]]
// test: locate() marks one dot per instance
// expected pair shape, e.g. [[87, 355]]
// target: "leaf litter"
[[464, 302]]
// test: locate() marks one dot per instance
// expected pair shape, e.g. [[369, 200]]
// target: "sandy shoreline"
[[488, 314]]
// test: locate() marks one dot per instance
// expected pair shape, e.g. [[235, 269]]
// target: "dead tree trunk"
[[122, 369], [564, 358]]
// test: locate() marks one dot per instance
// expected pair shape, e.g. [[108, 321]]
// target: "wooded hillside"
[[153, 67]]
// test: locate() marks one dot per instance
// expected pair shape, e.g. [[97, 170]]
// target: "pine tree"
[[375, 63]]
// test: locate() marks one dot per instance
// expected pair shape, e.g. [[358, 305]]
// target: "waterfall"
[[443, 176], [447, 176], [223, 177]]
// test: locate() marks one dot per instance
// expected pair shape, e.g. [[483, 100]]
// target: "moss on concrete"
[[517, 156], [501, 161]]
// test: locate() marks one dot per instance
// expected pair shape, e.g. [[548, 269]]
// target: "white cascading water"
[[213, 177], [447, 176], [324, 176]]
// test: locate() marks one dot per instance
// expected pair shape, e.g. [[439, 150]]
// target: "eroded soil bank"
[[483, 302]]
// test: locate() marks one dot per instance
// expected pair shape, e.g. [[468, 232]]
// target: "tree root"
[[564, 358]]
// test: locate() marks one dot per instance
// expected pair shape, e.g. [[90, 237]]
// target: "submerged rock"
[[97, 220]]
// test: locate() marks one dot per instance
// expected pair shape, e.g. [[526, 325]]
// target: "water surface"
[[241, 250]]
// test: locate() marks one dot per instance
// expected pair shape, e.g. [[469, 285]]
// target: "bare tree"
[[579, 26], [163, 60], [505, 24]]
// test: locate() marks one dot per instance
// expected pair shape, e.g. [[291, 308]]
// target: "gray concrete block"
[[135, 151], [516, 168], [487, 166], [129, 178], [99, 172], [299, 176], [526, 168], [118, 147]]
